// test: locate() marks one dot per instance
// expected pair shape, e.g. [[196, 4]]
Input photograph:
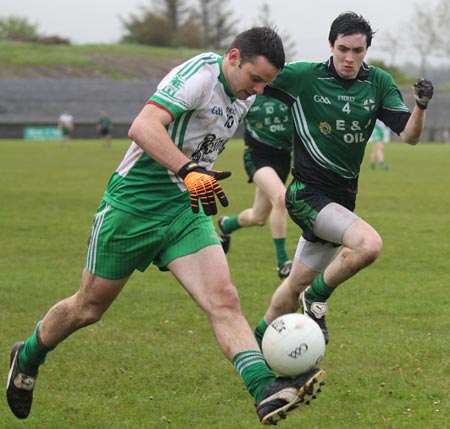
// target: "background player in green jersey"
[[104, 127], [335, 105], [267, 159], [156, 210], [380, 136]]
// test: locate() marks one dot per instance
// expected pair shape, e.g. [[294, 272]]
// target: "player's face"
[[348, 54], [250, 78]]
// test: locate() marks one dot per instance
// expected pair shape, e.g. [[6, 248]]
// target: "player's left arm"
[[423, 92]]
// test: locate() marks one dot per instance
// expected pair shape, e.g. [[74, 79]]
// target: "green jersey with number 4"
[[334, 119]]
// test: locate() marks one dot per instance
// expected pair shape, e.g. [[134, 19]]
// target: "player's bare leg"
[[268, 204], [361, 245], [83, 308], [275, 397]]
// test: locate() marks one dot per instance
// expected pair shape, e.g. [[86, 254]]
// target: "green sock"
[[230, 225], [33, 353], [319, 290], [372, 165], [280, 250], [259, 331], [253, 369]]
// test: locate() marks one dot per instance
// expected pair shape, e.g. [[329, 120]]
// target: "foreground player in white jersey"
[[156, 210]]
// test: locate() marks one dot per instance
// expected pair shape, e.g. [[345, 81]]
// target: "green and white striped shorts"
[[121, 242]]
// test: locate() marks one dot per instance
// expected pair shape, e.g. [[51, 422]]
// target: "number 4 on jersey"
[[346, 108]]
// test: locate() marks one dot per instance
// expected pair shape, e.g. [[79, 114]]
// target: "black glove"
[[202, 184], [423, 91]]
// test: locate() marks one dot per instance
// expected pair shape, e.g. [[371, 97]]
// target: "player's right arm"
[[423, 92], [149, 131]]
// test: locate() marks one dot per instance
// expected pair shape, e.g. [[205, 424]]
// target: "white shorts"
[[331, 224]]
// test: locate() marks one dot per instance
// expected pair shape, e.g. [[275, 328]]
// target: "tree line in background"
[[426, 33], [177, 23], [210, 24], [171, 23], [174, 23], [196, 24], [19, 29]]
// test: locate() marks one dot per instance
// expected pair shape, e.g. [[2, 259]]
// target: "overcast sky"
[[307, 23]]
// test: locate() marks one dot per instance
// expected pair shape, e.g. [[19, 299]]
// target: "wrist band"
[[421, 106], [188, 167]]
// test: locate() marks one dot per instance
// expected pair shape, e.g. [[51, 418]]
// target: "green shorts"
[[122, 242], [258, 155]]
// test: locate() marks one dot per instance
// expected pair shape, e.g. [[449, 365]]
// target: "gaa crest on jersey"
[[174, 85], [216, 110], [325, 128], [321, 99], [369, 104]]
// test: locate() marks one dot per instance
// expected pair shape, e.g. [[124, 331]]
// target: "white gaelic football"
[[293, 344]]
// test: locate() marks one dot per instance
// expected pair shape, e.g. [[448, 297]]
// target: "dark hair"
[[349, 23], [260, 41]]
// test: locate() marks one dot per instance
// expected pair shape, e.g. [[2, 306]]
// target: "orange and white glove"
[[202, 185]]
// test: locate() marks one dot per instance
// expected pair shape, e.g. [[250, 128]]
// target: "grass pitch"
[[152, 361]]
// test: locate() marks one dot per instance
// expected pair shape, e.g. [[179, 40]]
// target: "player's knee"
[[226, 300], [231, 299], [89, 314], [280, 200], [260, 221], [372, 249], [90, 318]]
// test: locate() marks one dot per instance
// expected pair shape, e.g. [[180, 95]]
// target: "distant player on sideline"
[[157, 208], [335, 105], [380, 135], [104, 126], [268, 135], [66, 125]]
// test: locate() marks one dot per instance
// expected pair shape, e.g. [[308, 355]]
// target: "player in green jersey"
[[335, 105], [380, 136], [104, 126], [268, 136], [156, 209]]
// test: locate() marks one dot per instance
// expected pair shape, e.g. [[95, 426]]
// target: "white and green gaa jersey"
[[380, 133], [269, 121], [334, 118], [205, 116]]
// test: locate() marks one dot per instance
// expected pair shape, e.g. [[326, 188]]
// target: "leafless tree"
[[264, 18], [422, 33], [175, 11], [190, 23], [217, 23], [443, 26], [391, 43]]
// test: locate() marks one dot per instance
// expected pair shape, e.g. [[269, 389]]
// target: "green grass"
[[35, 54], [152, 361], [84, 59]]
